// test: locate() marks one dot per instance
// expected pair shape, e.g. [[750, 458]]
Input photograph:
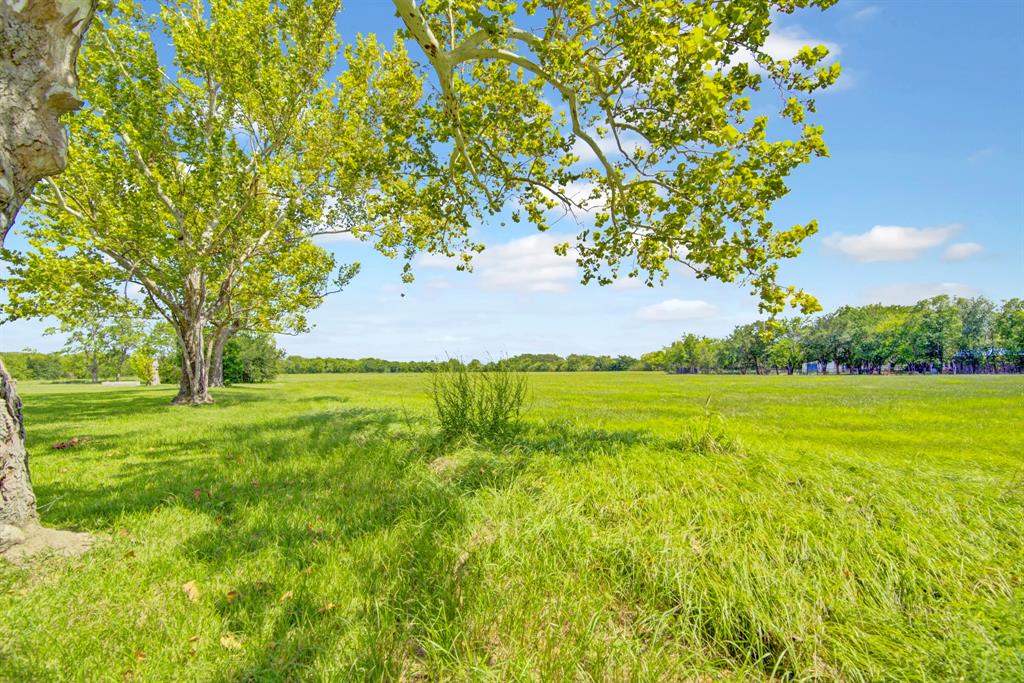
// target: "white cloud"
[[961, 251], [980, 155], [786, 42], [628, 283], [528, 264], [865, 13], [608, 146], [910, 293], [334, 238], [677, 309], [890, 242], [438, 283]]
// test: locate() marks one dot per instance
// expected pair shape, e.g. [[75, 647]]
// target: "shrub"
[[251, 358], [481, 404], [142, 365]]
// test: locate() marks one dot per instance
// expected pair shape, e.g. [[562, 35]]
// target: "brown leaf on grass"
[[197, 493], [122, 532], [193, 639], [229, 641], [327, 608], [70, 443], [191, 590], [232, 596], [219, 519], [139, 656], [287, 595]]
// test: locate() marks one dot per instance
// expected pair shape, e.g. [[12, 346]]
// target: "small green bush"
[[485, 405], [251, 358]]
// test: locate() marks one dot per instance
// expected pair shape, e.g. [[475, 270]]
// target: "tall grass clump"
[[710, 435], [482, 404]]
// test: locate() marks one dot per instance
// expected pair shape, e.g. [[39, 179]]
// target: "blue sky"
[[923, 194]]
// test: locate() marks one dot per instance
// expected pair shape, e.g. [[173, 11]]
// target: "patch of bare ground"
[[18, 544]]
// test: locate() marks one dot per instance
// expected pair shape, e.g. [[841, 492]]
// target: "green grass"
[[641, 527]]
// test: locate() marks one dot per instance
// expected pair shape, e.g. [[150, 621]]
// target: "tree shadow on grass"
[[310, 490]]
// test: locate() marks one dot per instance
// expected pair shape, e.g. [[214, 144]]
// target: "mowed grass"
[[641, 527]]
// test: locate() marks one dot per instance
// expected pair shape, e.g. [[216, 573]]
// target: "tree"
[[1009, 325], [935, 330], [251, 358], [977, 316], [204, 189], [786, 349], [659, 94], [39, 42], [101, 340]]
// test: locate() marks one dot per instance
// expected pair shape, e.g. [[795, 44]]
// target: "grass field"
[[642, 527]]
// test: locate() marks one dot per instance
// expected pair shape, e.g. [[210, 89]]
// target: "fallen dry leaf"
[[191, 590], [193, 639], [139, 656], [328, 607], [197, 493], [70, 443], [123, 533], [232, 596], [287, 595], [229, 641]]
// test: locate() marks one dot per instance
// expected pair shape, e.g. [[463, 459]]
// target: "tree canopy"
[[203, 181], [658, 95], [203, 177]]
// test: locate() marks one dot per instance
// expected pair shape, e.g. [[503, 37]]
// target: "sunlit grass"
[[640, 527]]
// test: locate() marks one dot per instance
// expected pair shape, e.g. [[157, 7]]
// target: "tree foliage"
[[659, 95], [202, 181]]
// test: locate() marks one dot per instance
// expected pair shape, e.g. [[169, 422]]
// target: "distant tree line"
[[526, 362], [941, 334]]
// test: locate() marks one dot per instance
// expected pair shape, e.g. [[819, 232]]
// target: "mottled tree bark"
[[39, 41], [154, 374], [194, 387], [217, 357], [17, 502]]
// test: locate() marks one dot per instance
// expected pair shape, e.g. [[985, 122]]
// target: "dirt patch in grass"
[[35, 539]]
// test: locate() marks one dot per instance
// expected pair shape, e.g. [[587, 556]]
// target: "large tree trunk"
[[39, 41], [194, 388], [17, 502], [154, 373], [217, 357]]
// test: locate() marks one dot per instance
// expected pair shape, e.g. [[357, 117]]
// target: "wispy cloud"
[[865, 13], [961, 251], [981, 155], [912, 292], [890, 242], [672, 310], [528, 264]]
